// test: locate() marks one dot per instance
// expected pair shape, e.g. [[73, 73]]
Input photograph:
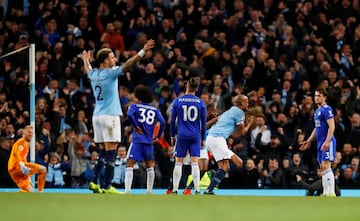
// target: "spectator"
[[346, 180], [5, 150], [250, 176], [119, 169], [54, 177], [273, 176], [265, 133], [297, 168], [314, 185], [355, 130], [89, 172]]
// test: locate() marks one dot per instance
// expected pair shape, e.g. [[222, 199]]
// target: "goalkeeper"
[[19, 169]]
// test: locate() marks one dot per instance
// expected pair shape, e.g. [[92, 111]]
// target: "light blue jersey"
[[104, 83], [226, 125]]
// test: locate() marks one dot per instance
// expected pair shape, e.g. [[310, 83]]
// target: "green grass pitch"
[[100, 207]]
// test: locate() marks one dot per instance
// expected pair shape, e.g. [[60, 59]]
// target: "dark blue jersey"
[[189, 112], [145, 116], [322, 114]]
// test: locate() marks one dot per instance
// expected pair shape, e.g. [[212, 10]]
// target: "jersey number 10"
[[190, 113]]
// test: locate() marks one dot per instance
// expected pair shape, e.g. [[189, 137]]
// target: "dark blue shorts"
[[140, 151], [329, 154], [185, 144]]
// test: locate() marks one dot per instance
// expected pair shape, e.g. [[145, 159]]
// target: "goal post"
[[32, 100], [31, 48]]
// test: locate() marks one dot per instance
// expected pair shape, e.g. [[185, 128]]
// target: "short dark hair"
[[193, 84], [103, 54], [322, 91], [143, 94]]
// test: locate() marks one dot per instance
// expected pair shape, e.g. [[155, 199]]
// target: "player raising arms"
[[143, 117], [232, 120], [190, 113], [107, 112], [326, 142], [19, 169]]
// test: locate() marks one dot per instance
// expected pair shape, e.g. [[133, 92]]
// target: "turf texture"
[[101, 207]]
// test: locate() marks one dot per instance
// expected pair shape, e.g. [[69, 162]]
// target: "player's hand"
[[85, 55], [149, 45], [265, 173], [155, 140], [304, 145], [24, 169], [251, 120], [139, 130], [325, 146]]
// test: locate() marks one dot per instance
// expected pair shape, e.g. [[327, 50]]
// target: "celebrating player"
[[107, 112], [229, 122]]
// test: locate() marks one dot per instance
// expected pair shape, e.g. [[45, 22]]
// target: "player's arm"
[[133, 120], [135, 59], [172, 123], [312, 136], [131, 116], [330, 133], [211, 122], [86, 56], [203, 122], [162, 122], [242, 129], [306, 144], [16, 149]]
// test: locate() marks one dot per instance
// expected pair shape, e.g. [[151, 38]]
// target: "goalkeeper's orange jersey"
[[19, 152]]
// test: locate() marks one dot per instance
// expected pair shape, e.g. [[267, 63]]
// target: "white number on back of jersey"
[[147, 116], [190, 113]]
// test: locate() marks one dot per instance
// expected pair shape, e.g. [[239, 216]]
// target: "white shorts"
[[204, 153], [187, 160], [107, 128], [219, 148]]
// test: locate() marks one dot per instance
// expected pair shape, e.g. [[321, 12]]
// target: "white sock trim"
[[177, 176], [129, 174]]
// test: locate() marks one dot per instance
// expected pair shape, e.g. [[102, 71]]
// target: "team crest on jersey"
[[21, 147]]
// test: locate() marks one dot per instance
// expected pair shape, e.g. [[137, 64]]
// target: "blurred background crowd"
[[274, 51]]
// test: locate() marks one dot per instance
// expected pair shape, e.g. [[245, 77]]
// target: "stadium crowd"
[[274, 51]]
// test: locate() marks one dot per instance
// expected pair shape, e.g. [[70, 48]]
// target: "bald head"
[[241, 101], [240, 98]]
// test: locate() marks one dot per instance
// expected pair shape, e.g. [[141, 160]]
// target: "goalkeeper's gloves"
[[24, 169]]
